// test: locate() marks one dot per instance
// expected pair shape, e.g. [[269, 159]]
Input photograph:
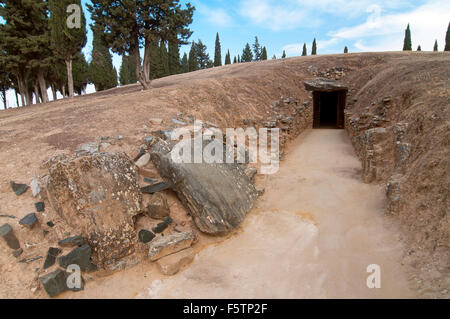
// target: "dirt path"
[[312, 235]]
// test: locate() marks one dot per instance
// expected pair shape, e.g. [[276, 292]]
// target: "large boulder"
[[98, 196], [217, 195]]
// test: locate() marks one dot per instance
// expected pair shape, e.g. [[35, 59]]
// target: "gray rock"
[[51, 257], [160, 227], [40, 206], [217, 195], [29, 220], [55, 283], [146, 236], [158, 207], [178, 122], [251, 172], [16, 253], [29, 260], [80, 256], [143, 160], [19, 189], [35, 188], [324, 85], [152, 189], [167, 245], [72, 241], [87, 149]]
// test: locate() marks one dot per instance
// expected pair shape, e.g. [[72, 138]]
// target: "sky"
[[362, 25]]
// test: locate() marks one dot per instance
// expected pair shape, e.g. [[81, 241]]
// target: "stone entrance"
[[329, 98]]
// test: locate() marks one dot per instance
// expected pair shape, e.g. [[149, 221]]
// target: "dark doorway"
[[329, 109]]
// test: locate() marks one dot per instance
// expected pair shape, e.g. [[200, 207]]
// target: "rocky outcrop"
[[98, 196], [217, 195]]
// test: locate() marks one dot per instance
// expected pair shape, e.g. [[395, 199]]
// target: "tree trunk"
[[17, 98], [55, 97], [36, 94], [4, 98], [146, 63], [24, 94], [42, 86], [64, 91], [69, 77], [139, 72]]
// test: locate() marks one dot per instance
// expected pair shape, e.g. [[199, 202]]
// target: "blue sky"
[[362, 25]]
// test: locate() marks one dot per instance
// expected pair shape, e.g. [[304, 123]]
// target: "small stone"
[[170, 244], [137, 155], [29, 220], [168, 220], [16, 253], [35, 188], [150, 180], [51, 257], [29, 260], [177, 122], [7, 234], [40, 207], [55, 283], [143, 160], [245, 121], [158, 207], [158, 187], [87, 149], [160, 227], [171, 264], [72, 241], [19, 189], [50, 224], [45, 232], [80, 256], [146, 236]]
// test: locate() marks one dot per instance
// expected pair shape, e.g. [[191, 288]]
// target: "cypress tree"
[[164, 59], [156, 69], [447, 39], [174, 58], [257, 50], [193, 64], [228, 58], [274, 57], [345, 49], [264, 54], [202, 57], [130, 24], [24, 43], [435, 48], [407, 45], [65, 40], [101, 69], [284, 54], [314, 47], [217, 52], [127, 72], [247, 55], [419, 48], [304, 52], [185, 63], [80, 73], [234, 60]]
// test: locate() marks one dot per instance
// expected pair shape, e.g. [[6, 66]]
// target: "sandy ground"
[[312, 235]]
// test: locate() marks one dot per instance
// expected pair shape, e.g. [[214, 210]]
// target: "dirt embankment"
[[238, 96]]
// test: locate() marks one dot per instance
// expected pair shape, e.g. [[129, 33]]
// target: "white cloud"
[[274, 16], [291, 14], [385, 32], [215, 16]]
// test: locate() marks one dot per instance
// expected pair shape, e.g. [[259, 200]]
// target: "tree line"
[[407, 43]]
